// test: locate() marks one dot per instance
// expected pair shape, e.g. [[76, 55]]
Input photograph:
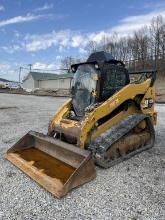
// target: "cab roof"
[[100, 57]]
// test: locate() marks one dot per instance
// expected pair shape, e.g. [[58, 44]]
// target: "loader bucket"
[[55, 165]]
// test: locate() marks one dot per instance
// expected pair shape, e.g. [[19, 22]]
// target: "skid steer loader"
[[109, 118]]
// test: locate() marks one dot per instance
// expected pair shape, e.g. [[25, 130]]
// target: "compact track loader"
[[109, 118]]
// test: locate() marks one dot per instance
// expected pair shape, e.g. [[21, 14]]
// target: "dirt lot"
[[160, 90], [39, 92], [134, 189], [160, 95]]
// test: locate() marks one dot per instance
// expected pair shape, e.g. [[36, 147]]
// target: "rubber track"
[[100, 145]]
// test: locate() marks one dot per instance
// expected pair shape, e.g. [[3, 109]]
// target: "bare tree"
[[91, 47], [156, 30], [144, 49], [68, 61]]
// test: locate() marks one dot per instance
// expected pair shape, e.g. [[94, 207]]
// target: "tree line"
[[144, 49]]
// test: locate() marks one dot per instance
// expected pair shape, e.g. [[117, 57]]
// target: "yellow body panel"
[[117, 118], [128, 92], [151, 111], [89, 128], [61, 112]]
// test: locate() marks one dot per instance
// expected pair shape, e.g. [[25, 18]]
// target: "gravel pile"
[[134, 189]]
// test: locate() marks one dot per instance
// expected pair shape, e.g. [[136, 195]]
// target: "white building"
[[40, 80]]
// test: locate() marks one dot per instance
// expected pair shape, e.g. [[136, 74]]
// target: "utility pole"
[[20, 70], [30, 67]]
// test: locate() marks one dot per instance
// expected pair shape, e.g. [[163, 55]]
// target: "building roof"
[[48, 76], [4, 80]]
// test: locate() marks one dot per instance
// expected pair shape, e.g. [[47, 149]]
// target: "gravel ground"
[[134, 189]]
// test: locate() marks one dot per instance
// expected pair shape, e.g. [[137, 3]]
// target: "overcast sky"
[[41, 32]]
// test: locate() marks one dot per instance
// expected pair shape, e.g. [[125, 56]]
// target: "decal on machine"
[[114, 103]]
